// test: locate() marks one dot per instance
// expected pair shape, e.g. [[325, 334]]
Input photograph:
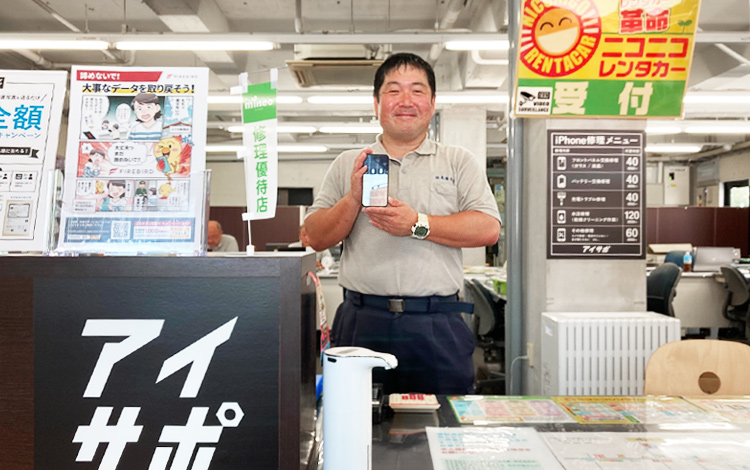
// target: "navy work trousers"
[[434, 349]]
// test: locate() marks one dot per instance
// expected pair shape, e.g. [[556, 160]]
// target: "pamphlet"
[[501, 447], [635, 410], [31, 105], [488, 409], [650, 451], [135, 161]]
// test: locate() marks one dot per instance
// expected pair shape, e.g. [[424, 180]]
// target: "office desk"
[[699, 301], [400, 442], [492, 277]]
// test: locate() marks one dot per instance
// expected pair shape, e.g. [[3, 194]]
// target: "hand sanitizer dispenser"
[[347, 406]]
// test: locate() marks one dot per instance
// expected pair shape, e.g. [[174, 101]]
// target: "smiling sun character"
[[557, 31]]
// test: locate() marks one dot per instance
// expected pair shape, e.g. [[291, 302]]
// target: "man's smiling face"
[[405, 104]]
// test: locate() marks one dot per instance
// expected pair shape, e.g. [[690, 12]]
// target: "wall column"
[[565, 285], [467, 127]]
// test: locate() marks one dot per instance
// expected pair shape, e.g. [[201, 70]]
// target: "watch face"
[[420, 231]]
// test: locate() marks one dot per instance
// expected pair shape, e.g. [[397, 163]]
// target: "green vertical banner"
[[260, 142]]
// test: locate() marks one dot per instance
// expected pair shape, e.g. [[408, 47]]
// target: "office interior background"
[[325, 51]]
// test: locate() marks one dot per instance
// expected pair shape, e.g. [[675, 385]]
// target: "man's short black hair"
[[403, 59]]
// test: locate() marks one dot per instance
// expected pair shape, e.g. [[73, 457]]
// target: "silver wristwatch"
[[421, 229]]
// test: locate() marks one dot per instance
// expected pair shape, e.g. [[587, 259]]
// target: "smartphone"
[[375, 181]]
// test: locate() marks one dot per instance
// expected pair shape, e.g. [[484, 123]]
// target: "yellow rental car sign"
[[594, 58]]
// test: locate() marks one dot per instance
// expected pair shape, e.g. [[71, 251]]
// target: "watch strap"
[[421, 229]]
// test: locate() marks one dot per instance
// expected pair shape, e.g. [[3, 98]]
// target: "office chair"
[[695, 367], [675, 257], [488, 326], [661, 288], [737, 302]]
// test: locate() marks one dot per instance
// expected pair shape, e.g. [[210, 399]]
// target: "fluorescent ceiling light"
[[448, 98], [302, 148], [673, 148], [280, 148], [281, 128], [224, 99], [237, 99], [340, 99], [716, 98], [54, 44], [223, 148], [150, 45], [662, 129], [499, 45], [354, 129], [728, 128], [288, 99], [466, 98]]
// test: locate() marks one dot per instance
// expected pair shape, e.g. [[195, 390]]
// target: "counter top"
[[401, 443]]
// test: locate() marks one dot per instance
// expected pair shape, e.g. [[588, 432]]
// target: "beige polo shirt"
[[434, 179]]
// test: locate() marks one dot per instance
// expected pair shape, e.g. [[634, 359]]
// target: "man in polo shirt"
[[401, 265], [218, 240]]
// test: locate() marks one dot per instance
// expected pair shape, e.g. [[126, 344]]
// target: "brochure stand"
[[204, 216], [165, 219], [54, 192]]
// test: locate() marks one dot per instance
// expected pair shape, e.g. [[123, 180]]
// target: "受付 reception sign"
[[618, 58]]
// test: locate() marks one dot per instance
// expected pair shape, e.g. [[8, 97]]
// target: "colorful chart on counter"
[[476, 409], [484, 448], [634, 410], [735, 409], [650, 451]]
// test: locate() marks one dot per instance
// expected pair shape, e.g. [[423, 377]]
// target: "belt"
[[429, 304]]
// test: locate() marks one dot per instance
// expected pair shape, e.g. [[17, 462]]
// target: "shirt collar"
[[427, 147]]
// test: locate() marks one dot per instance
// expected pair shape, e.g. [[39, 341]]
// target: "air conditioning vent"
[[327, 72], [336, 64]]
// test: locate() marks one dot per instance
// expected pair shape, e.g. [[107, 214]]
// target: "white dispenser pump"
[[347, 406]]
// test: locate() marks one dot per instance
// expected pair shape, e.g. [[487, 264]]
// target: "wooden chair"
[[696, 367]]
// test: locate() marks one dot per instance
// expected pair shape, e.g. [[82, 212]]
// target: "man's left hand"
[[397, 218]]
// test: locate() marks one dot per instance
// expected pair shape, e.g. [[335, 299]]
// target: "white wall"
[[731, 168], [466, 126], [735, 167], [228, 179], [655, 195], [654, 185], [711, 195]]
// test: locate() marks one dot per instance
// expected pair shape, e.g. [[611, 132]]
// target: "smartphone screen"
[[375, 181]]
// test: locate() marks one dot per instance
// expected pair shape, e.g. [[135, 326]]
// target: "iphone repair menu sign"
[[596, 206]]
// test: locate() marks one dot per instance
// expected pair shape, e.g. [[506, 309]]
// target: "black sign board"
[[595, 206], [156, 373]]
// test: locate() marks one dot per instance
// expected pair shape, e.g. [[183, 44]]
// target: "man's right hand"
[[357, 173], [326, 227]]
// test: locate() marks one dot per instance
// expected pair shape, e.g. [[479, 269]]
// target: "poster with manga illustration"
[[31, 104], [135, 160]]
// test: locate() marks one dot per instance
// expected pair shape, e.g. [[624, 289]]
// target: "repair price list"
[[596, 203]]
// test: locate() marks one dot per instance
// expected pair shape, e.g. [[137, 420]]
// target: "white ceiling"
[[721, 63]]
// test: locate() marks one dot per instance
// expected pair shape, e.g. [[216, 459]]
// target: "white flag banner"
[[259, 138]]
